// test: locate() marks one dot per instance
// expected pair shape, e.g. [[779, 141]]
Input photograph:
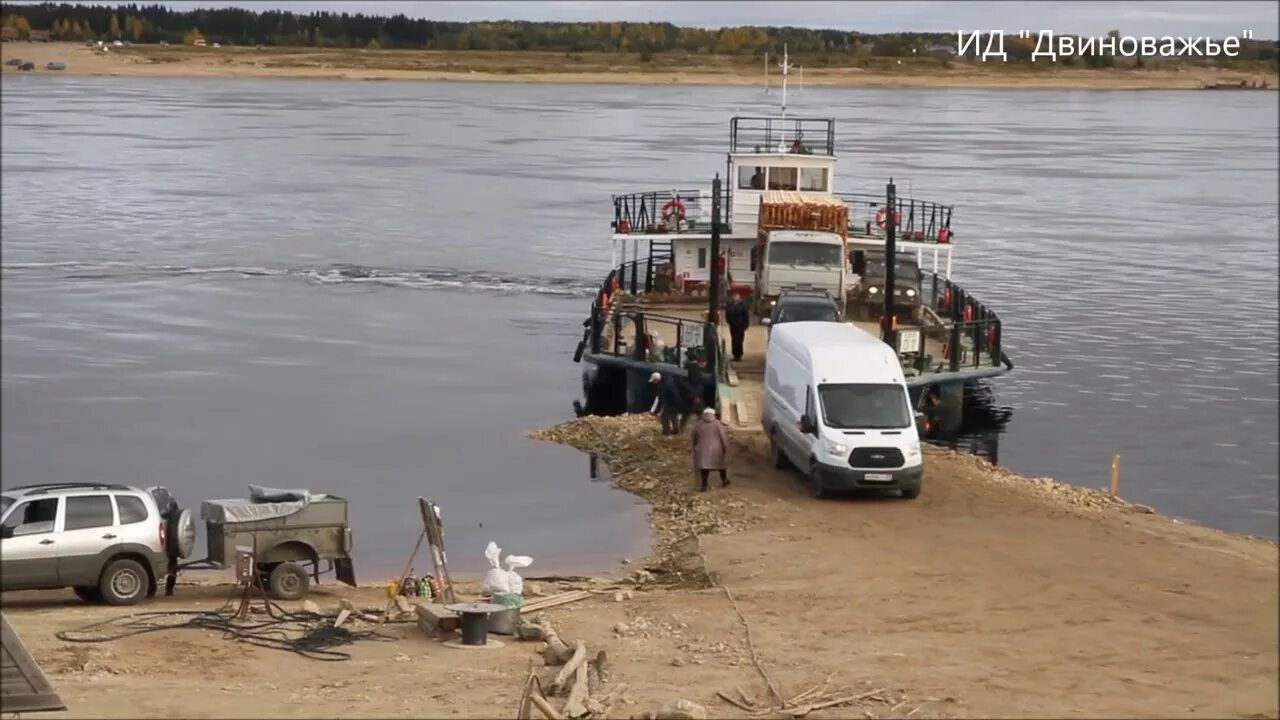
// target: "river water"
[[375, 289]]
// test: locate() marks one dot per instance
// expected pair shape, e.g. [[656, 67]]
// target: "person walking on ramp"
[[710, 447], [738, 317]]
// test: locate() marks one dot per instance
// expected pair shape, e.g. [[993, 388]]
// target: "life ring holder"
[[880, 218], [673, 208]]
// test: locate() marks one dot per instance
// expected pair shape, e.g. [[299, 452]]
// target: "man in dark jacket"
[[738, 317], [698, 384], [669, 403]]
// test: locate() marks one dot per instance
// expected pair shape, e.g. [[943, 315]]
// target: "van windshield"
[[879, 406], [804, 254]]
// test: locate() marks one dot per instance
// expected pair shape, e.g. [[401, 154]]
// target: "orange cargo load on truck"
[[791, 210]]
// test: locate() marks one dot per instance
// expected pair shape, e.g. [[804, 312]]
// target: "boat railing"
[[918, 220], [664, 212], [970, 332], [804, 136]]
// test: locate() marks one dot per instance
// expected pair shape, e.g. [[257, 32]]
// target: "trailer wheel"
[[288, 581]]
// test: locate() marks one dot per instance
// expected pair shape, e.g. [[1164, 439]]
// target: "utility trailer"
[[289, 534]]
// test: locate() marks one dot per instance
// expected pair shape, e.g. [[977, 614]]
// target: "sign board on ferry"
[[908, 341]]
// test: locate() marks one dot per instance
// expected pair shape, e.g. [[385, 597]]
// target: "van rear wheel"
[[780, 459]]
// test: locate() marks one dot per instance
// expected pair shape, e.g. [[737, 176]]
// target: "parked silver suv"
[[107, 542]]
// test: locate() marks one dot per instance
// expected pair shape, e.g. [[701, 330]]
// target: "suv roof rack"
[[50, 487]]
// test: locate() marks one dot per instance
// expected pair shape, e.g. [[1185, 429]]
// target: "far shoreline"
[[574, 69]]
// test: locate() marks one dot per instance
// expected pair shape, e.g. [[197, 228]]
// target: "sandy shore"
[[988, 596], [538, 67]]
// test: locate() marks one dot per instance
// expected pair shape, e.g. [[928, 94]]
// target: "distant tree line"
[[156, 23]]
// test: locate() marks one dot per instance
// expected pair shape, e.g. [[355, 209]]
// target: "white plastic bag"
[[498, 580], [514, 581], [495, 581]]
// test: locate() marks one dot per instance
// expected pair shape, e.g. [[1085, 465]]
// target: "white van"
[[836, 407]]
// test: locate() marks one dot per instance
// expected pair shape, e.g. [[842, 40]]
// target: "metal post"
[[714, 315], [635, 262], [890, 250], [640, 350], [595, 328]]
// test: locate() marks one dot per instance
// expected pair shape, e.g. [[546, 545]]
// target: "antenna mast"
[[785, 65], [766, 72]]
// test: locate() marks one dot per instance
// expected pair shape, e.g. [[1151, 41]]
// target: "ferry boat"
[[659, 307]]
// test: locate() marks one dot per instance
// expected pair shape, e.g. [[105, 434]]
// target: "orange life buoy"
[[946, 297], [673, 208], [968, 312], [624, 226], [991, 335], [944, 235], [880, 217]]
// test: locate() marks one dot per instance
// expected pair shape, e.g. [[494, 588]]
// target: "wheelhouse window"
[[803, 254], [864, 406], [702, 258], [755, 257], [782, 178], [751, 177], [813, 179]]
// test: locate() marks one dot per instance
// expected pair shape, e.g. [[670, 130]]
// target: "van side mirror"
[[806, 425], [766, 321], [6, 532]]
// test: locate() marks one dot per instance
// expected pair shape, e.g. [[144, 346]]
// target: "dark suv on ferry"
[[866, 299]]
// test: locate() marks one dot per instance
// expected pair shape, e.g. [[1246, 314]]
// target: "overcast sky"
[[1134, 17]]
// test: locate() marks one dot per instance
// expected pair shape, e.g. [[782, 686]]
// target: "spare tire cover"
[[181, 534]]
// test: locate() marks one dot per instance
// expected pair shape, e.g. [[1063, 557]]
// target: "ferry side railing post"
[[955, 346], [714, 314], [890, 248], [635, 264], [638, 321]]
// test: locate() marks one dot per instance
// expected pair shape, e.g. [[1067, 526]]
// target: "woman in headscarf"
[[710, 447]]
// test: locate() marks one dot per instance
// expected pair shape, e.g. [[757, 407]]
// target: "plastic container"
[[504, 622]]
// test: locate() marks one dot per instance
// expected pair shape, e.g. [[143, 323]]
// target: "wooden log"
[[561, 683], [597, 673], [576, 705], [556, 652], [614, 692], [544, 707]]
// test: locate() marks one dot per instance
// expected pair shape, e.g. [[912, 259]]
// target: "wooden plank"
[[23, 686]]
